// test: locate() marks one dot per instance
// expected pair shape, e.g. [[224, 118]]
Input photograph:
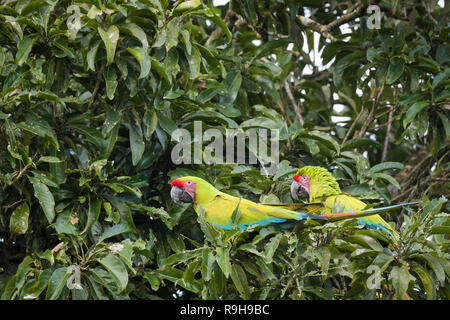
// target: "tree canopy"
[[92, 91]]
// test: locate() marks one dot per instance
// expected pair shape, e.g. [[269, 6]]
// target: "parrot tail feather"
[[363, 213]]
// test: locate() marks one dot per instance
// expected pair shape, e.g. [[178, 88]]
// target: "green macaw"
[[324, 195], [218, 207]]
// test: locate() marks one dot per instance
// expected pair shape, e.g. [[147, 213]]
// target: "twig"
[[370, 115], [386, 138], [297, 111], [283, 112], [347, 135], [57, 248], [97, 84], [21, 172]]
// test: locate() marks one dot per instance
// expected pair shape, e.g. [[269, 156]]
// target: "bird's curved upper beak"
[[297, 189], [179, 195]]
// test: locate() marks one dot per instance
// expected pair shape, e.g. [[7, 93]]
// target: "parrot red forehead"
[[301, 179], [177, 183]]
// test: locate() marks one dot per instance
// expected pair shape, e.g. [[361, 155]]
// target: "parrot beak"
[[179, 195], [296, 188]]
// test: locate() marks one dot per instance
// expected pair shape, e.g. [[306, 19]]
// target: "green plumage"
[[218, 207], [325, 189]]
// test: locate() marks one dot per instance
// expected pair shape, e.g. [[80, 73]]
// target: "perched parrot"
[[321, 188], [218, 207]]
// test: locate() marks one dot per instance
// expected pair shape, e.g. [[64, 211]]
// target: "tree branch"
[[347, 135], [297, 111], [369, 118], [356, 12], [218, 32]]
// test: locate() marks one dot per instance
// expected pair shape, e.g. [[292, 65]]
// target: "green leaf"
[[323, 137], [400, 280], [35, 290], [443, 53], [91, 55], [446, 124], [23, 50], [271, 247], [18, 223], [426, 281], [57, 283], [33, 6], [441, 78], [236, 215], [93, 212], [389, 165], [183, 7], [50, 159], [436, 265], [50, 96], [268, 47], [240, 281], [172, 32], [395, 70], [150, 121], [143, 58], [161, 70], [234, 80], [116, 269], [182, 256], [440, 230], [2, 58], [90, 133], [387, 178], [413, 111], [137, 144], [38, 126], [46, 200], [110, 141], [219, 22], [223, 260], [135, 31], [208, 260], [111, 82], [110, 39]]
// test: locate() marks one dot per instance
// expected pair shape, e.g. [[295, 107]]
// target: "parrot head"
[[314, 183], [190, 189], [300, 185], [182, 191]]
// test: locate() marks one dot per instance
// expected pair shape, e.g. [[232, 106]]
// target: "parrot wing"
[[220, 210]]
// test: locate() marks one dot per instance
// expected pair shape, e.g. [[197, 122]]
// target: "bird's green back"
[[325, 189]]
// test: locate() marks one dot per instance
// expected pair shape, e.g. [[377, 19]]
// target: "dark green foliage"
[[88, 105]]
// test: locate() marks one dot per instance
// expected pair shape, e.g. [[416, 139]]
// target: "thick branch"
[[356, 12], [317, 27]]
